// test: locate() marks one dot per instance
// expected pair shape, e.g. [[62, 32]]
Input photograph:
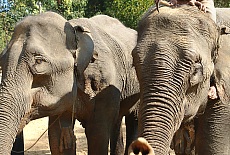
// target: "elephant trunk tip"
[[140, 147]]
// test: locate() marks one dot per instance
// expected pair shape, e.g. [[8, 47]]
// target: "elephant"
[[212, 128], [78, 69], [108, 87], [31, 80], [174, 59]]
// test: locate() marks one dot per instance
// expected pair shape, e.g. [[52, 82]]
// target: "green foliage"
[[69, 8], [9, 19], [95, 7], [222, 3], [5, 29], [128, 11]]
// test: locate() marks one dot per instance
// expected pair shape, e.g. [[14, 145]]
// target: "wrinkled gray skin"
[[174, 61], [212, 133], [109, 86], [65, 70]]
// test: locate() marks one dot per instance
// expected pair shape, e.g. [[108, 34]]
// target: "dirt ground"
[[35, 128]]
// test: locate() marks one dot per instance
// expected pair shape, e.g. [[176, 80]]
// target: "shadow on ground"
[[44, 152]]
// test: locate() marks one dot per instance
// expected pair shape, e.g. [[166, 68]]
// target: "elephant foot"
[[212, 93], [67, 139], [140, 147]]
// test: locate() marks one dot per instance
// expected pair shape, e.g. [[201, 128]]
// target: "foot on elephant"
[[140, 147], [198, 4], [67, 139], [180, 2], [212, 93], [162, 2]]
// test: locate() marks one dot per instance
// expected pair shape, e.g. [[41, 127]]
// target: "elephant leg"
[[101, 121], [131, 123], [18, 147], [116, 139], [212, 129], [61, 136]]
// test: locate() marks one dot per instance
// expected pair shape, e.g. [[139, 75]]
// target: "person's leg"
[[210, 8]]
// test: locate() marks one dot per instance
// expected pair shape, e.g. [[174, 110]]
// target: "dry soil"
[[35, 128]]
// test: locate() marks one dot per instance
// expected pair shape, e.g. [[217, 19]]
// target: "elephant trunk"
[[159, 124], [159, 119], [10, 115], [14, 104], [162, 97]]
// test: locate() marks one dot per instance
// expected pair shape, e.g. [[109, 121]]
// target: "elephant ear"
[[85, 48], [222, 66]]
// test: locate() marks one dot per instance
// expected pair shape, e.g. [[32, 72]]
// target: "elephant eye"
[[38, 59], [196, 74]]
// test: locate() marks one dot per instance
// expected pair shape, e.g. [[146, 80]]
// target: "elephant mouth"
[[47, 104], [27, 118], [37, 111], [43, 104], [44, 100]]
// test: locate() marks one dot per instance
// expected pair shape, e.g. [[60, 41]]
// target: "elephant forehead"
[[42, 39], [44, 20], [184, 20], [54, 45], [41, 27], [53, 36]]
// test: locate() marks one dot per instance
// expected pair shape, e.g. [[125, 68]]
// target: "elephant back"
[[223, 16], [103, 28]]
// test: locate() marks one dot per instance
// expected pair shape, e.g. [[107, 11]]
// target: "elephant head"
[[174, 60], [38, 72]]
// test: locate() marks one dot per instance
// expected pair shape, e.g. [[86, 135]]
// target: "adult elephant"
[[65, 70], [174, 59], [212, 128]]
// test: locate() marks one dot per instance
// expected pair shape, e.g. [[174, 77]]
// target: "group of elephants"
[[96, 70]]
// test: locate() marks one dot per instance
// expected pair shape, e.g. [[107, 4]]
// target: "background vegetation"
[[127, 11]]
